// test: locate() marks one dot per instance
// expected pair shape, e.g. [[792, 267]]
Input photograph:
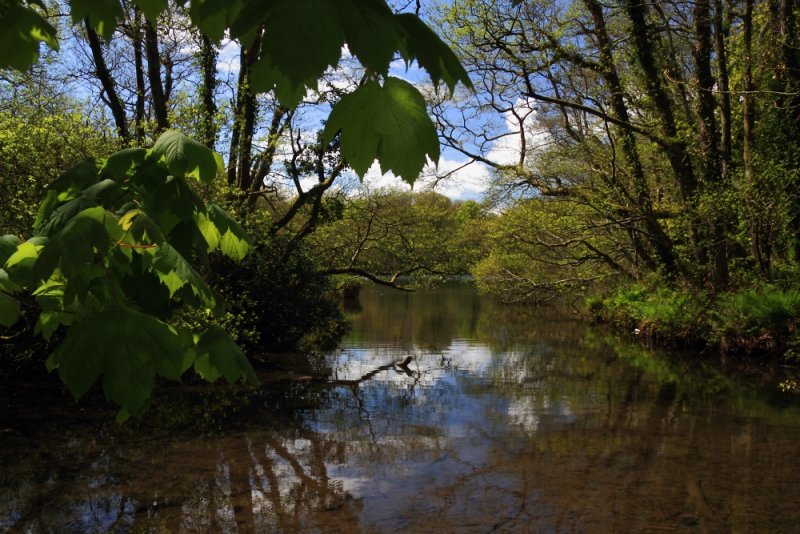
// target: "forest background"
[[641, 155]]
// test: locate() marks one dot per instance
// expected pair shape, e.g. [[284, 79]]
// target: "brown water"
[[506, 420]]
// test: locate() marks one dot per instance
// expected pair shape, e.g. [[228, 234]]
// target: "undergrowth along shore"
[[758, 322]]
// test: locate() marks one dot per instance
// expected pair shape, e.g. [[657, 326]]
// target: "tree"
[[34, 114], [112, 258], [385, 236], [629, 113]]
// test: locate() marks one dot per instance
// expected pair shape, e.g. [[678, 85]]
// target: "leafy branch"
[[112, 261]]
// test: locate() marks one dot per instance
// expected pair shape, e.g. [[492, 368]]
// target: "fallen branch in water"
[[399, 365]]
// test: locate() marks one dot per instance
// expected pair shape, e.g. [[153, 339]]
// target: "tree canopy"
[[117, 240]]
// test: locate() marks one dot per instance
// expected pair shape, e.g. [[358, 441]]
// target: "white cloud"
[[228, 57], [465, 181], [506, 150]]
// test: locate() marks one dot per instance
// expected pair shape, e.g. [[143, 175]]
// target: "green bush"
[[759, 320], [277, 302], [658, 312]]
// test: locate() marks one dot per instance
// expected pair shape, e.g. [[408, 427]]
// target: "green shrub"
[[277, 302], [659, 312], [766, 308]]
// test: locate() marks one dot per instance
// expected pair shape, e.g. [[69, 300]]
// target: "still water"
[[506, 419]]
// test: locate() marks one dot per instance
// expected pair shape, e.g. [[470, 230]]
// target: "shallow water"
[[507, 419]]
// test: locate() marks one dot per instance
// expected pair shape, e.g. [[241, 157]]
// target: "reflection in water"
[[507, 419]]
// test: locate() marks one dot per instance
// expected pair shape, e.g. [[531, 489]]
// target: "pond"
[[506, 419]]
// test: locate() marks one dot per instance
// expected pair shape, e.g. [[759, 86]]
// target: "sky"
[[469, 181]]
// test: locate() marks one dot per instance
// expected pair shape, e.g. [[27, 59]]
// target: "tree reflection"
[[263, 481], [506, 419]]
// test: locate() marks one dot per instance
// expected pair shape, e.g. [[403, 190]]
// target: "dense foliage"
[[111, 258], [278, 301], [119, 242], [390, 235], [643, 139]]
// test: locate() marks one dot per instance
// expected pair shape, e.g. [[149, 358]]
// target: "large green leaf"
[[175, 272], [127, 348], [22, 30], [64, 213], [213, 16], [142, 229], [371, 32], [388, 123], [152, 8], [423, 45], [302, 38], [8, 245], [186, 157], [102, 14], [120, 164], [73, 249], [218, 355], [220, 230], [20, 264], [67, 187], [174, 201], [56, 312]]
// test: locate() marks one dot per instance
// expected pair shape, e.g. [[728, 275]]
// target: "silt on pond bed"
[[508, 419]]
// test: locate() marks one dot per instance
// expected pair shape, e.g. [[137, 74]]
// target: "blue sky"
[[469, 181]]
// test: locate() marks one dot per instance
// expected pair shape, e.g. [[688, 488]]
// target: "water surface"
[[507, 419]]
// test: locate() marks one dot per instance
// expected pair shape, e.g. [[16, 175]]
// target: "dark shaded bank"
[[759, 324]]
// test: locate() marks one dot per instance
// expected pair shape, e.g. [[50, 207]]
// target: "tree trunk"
[[790, 57], [138, 61], [677, 153], [789, 75], [658, 239], [709, 137], [759, 242], [111, 98], [208, 62], [154, 75], [720, 35], [239, 162]]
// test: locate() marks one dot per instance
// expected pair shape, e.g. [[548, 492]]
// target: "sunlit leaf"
[[22, 30], [8, 245], [233, 240], [186, 157], [175, 272], [20, 264], [102, 14], [388, 123], [142, 229]]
